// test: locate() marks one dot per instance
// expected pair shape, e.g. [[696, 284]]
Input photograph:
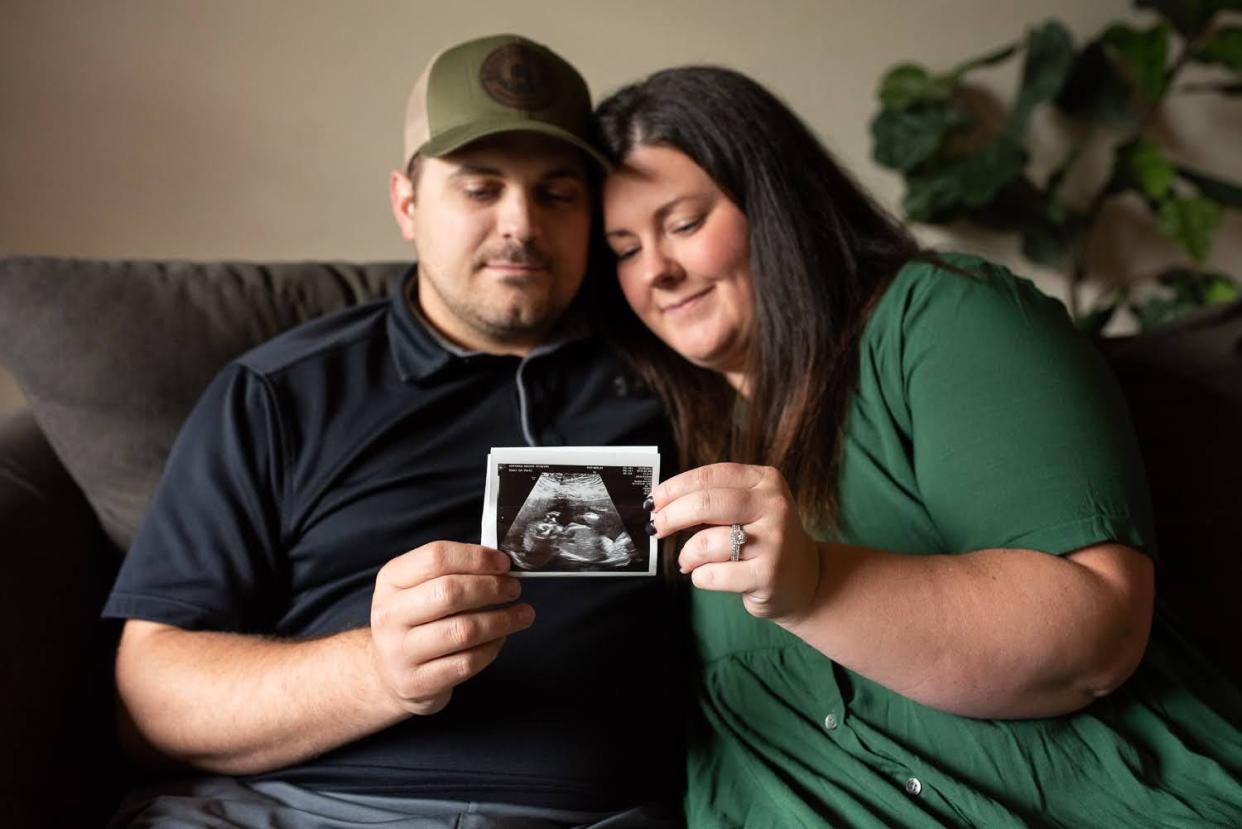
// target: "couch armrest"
[[58, 757]]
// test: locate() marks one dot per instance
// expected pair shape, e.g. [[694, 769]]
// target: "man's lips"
[[685, 302], [515, 267]]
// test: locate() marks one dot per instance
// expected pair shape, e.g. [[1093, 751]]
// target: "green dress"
[[982, 419]]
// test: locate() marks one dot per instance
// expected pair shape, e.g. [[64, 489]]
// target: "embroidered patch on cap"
[[517, 76]]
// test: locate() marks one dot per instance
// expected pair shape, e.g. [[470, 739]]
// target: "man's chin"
[[520, 324], [523, 280]]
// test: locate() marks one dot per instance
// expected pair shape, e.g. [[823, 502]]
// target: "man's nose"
[[519, 219]]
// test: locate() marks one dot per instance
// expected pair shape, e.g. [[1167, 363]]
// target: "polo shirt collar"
[[419, 351]]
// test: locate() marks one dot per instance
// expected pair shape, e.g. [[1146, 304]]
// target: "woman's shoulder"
[[950, 278], [960, 292]]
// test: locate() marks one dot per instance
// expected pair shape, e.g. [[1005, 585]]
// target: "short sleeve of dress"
[[204, 557], [1020, 435]]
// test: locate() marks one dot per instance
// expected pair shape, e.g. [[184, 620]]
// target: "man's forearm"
[[238, 704]]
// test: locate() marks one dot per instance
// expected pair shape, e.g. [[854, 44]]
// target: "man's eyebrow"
[[567, 171], [474, 170]]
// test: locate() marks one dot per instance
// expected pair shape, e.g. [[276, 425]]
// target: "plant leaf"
[[1191, 222], [1189, 17], [908, 84], [1142, 164], [1093, 321], [1143, 54], [966, 183], [1049, 244], [1200, 288], [1159, 310], [1094, 92], [990, 59], [1049, 232], [1224, 47], [1224, 192], [1058, 175], [1221, 290], [1049, 59], [904, 139], [1184, 282]]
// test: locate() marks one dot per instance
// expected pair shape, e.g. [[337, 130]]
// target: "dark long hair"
[[821, 253]]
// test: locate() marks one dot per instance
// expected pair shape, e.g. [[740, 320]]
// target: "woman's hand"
[[778, 569]]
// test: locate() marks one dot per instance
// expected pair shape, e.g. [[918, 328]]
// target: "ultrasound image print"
[[573, 518]]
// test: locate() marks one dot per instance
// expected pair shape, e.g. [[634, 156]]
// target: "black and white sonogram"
[[574, 518]]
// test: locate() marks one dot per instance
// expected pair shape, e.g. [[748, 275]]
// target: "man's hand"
[[435, 621]]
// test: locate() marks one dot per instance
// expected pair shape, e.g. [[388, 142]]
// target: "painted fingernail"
[[650, 528], [649, 504]]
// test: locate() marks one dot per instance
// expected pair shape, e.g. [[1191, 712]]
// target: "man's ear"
[[401, 195]]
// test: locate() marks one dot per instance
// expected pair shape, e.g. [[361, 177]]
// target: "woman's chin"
[[721, 358]]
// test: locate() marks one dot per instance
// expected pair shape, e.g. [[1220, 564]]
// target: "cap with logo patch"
[[502, 83]]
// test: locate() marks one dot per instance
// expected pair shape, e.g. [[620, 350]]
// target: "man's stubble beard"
[[518, 320]]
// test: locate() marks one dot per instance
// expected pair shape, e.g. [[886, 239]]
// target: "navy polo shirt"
[[317, 457]]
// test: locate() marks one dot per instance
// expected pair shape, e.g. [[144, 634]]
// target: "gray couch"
[[111, 356]]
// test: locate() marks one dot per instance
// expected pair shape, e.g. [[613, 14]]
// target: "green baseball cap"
[[502, 83]]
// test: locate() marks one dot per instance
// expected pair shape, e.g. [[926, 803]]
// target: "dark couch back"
[[1184, 387]]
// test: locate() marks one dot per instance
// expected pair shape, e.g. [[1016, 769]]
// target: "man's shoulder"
[[318, 338]]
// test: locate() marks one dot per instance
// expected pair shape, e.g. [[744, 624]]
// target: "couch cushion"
[[112, 355]]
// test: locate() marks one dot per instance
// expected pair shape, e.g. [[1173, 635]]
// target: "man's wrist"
[[379, 697]]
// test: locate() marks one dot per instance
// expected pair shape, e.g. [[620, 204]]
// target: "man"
[[307, 626]]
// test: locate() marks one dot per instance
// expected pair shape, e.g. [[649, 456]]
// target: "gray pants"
[[225, 802]]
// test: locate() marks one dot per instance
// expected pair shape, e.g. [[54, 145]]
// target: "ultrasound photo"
[[567, 515]]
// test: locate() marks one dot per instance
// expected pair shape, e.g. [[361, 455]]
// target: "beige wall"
[[264, 130]]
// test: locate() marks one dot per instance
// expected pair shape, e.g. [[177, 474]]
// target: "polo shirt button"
[[830, 722], [913, 787]]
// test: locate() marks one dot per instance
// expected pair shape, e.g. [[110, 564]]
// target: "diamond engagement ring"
[[736, 539]]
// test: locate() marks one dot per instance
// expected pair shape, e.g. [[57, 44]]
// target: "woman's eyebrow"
[[659, 214]]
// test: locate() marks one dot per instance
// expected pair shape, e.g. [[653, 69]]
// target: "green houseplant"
[[960, 165]]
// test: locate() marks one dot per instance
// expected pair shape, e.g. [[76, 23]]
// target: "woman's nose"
[[660, 269]]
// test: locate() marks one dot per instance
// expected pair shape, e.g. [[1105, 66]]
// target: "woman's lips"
[[686, 304]]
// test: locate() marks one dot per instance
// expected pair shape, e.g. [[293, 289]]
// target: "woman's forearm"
[[993, 633]]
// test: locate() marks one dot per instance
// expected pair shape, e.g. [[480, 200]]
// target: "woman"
[[926, 576]]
